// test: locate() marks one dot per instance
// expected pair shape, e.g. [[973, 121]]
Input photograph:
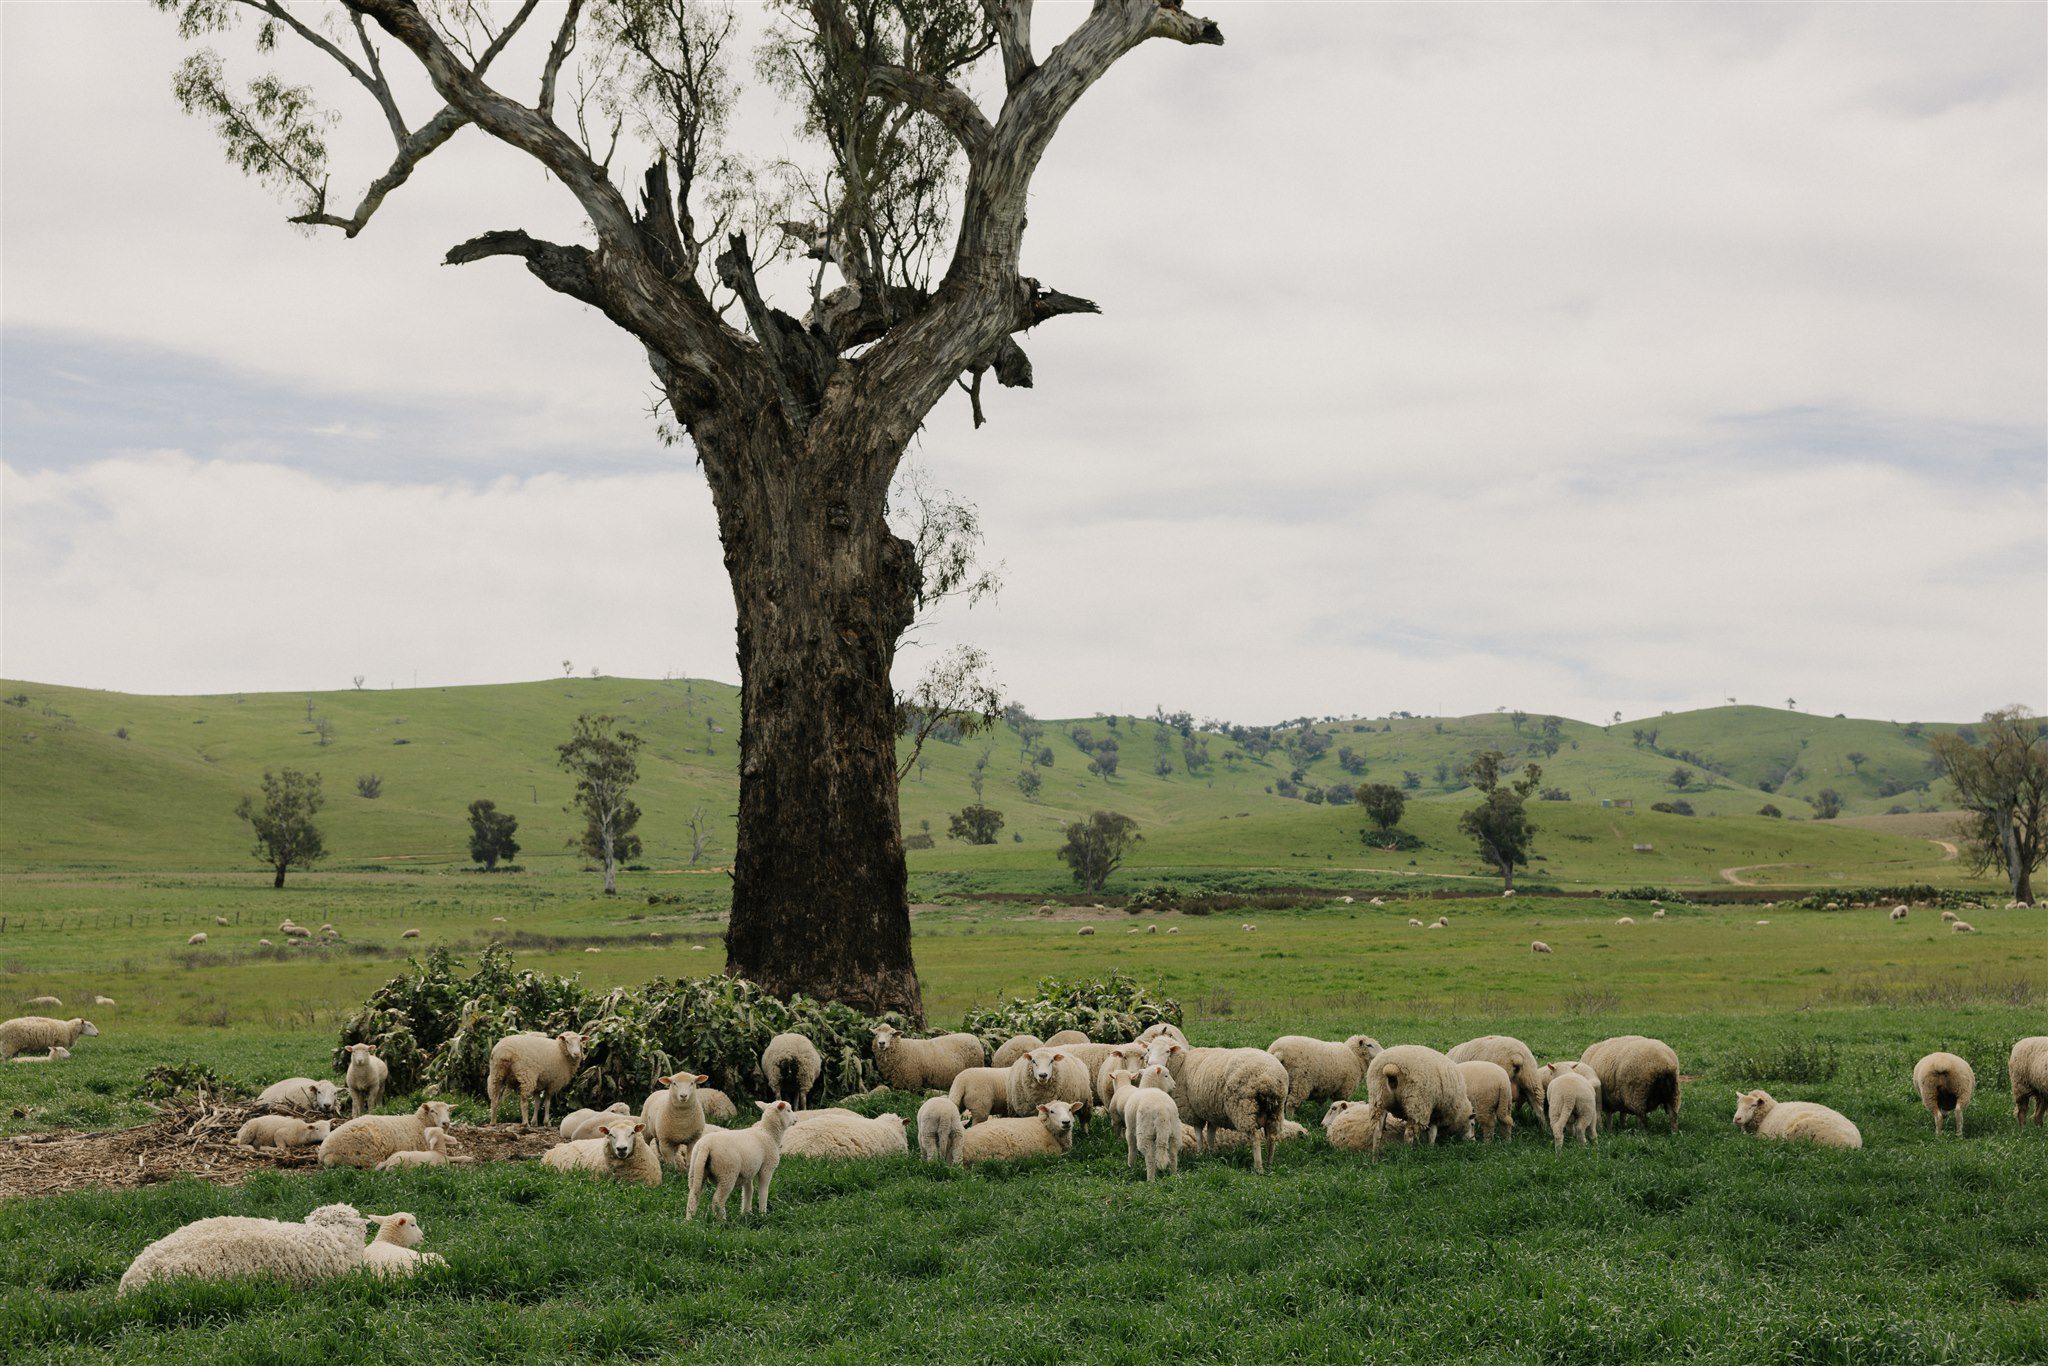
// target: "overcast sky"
[[1580, 359]]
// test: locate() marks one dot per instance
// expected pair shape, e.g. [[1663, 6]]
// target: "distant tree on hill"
[[1554, 794], [285, 834], [1680, 777], [1827, 804], [1857, 758], [1681, 807], [1096, 846], [1913, 730], [1194, 753], [977, 824], [1411, 780], [700, 833], [957, 696], [1443, 773], [369, 785], [1768, 810], [2003, 785], [323, 731], [491, 834], [600, 756], [1163, 766], [1351, 761], [1516, 718], [1791, 705], [1500, 824], [1384, 805], [1028, 783], [1042, 756], [357, 682], [1103, 765]]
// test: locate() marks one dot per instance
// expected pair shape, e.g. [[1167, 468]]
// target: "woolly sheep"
[[717, 1105], [981, 1092], [220, 920], [619, 1151], [1152, 1127], [44, 1001], [1573, 1103], [1230, 1140], [1514, 1058], [1321, 1070], [1124, 1057], [199, 938], [282, 1131], [1046, 1074], [434, 1154], [1419, 1085], [675, 1117], [537, 1067], [1945, 1084], [1085, 930], [1349, 1126], [303, 1092], [329, 1242], [265, 943], [1657, 914], [1637, 1075], [103, 1000], [34, 1033], [739, 1157], [286, 925], [940, 1131], [1509, 892], [392, 1252], [792, 1066], [56, 1054], [1491, 1093], [1963, 927], [1123, 1085], [1248, 928], [369, 1139], [1626, 920], [846, 1136], [583, 1123], [1232, 1088], [1898, 912], [2028, 1068], [1151, 1032], [1066, 1036], [1173, 929], [410, 934], [1049, 1132], [1416, 923], [1538, 946], [924, 1064], [1949, 916], [1441, 922], [366, 1075], [1151, 929], [1015, 1047], [1756, 1113]]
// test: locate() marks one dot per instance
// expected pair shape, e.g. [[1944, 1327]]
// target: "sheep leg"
[[723, 1193], [1131, 1150], [1959, 1121], [761, 1199]]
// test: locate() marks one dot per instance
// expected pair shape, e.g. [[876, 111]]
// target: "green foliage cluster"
[[169, 1080], [1644, 893], [1914, 894], [1107, 1009]]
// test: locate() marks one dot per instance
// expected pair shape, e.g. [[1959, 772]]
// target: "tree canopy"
[[285, 834]]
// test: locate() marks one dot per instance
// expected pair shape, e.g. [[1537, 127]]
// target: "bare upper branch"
[[1011, 20]]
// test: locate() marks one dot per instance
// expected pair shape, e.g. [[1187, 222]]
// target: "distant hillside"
[[119, 780]]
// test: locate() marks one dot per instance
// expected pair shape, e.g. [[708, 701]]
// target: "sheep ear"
[[703, 1077], [1045, 1109], [663, 1081]]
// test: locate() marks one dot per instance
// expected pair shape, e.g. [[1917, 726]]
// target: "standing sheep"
[[434, 1154], [1151, 1032], [1231, 1088], [1320, 1070], [1047, 1074], [537, 1067], [1756, 1113], [328, 1243], [303, 1092], [844, 1137], [924, 1064], [717, 1105], [675, 1117], [369, 1139], [619, 1151], [743, 1157], [2028, 1068], [366, 1075], [1949, 916], [1514, 1058], [583, 1123], [199, 938], [1419, 1085], [1898, 912], [982, 1092], [33, 1033], [792, 1066], [1152, 1127], [1573, 1101], [1491, 1093], [1945, 1083], [941, 1131], [282, 1131], [1962, 927], [1538, 946], [1127, 1057], [1048, 1133], [1637, 1075]]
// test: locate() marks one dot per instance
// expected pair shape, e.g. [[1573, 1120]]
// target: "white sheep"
[[1123, 1083], [1573, 1102], [393, 1252], [1230, 1140], [675, 1116], [303, 1092], [1085, 930], [329, 1242], [1963, 927], [1151, 1032], [792, 1066], [282, 1131], [1757, 1114], [1047, 1133], [2028, 1069], [1538, 946], [941, 1131], [199, 938], [1047, 1074], [369, 1139], [1015, 1047], [434, 1154], [1231, 1088], [1626, 920], [583, 1123], [1637, 1075], [1152, 1128], [1151, 929], [1442, 922], [56, 1054], [619, 1151], [1491, 1093], [1949, 917], [366, 1077], [739, 1157], [1945, 1084], [1248, 928], [1067, 1036], [1509, 892], [1124, 1057], [845, 1137], [717, 1105], [1173, 929], [1350, 1125], [1514, 1058], [103, 1000], [410, 934], [1657, 914], [45, 1002], [1414, 922], [265, 943], [1419, 1085], [537, 1067], [908, 1064], [981, 1092], [1318, 1069], [220, 920], [32, 1033]]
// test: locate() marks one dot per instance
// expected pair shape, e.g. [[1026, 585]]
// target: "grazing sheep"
[[717, 1105], [1173, 929], [1509, 892], [1538, 946], [2028, 1068], [675, 1116], [392, 1252], [982, 1092], [1514, 1058], [366, 1075], [1949, 916], [845, 1136], [1898, 912], [43, 1002], [1416, 923], [1231, 1088], [1248, 928], [369, 1139], [220, 920], [328, 1243], [924, 1064], [1657, 914], [1574, 1108], [303, 1092], [1085, 930], [1320, 1070], [1963, 927], [410, 934], [1756, 1113], [1626, 920], [1124, 1057], [1637, 1075], [792, 1066], [537, 1066], [1047, 1133], [583, 1123], [199, 938], [1151, 929], [1047, 1074], [103, 1000], [1230, 1140], [739, 1157], [286, 925], [282, 1131], [1419, 1085], [435, 1154], [1349, 1126], [28, 1033], [265, 943], [1491, 1093], [941, 1131], [56, 1054], [1014, 1048], [619, 1151], [1152, 1127], [1945, 1083]]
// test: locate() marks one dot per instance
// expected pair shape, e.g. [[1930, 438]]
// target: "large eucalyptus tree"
[[905, 210]]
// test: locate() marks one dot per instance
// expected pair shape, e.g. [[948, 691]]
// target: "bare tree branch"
[[1011, 20], [558, 52], [413, 150], [563, 269]]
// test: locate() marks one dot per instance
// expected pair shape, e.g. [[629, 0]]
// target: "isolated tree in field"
[[491, 834], [1857, 758], [700, 833], [957, 696], [1103, 763], [2002, 782], [323, 731], [600, 757], [1827, 804], [1028, 783], [904, 200], [1500, 824], [369, 785], [285, 834], [1384, 804], [977, 824], [1096, 846], [1680, 777]]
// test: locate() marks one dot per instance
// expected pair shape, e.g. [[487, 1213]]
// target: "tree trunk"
[[611, 868], [278, 881]]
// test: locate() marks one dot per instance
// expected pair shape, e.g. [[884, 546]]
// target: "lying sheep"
[[45, 1002], [1015, 1047], [304, 1093], [1232, 1088], [981, 1092], [845, 1137], [583, 1123], [1945, 1084], [393, 1251], [1637, 1075], [103, 1000], [369, 1139], [619, 1151], [1047, 1074], [941, 1131], [675, 1116], [1152, 1127], [366, 1076], [739, 1157], [1757, 1114], [56, 1054], [328, 1243], [1491, 1093], [282, 1131], [1417, 924], [2028, 1068], [908, 1064], [1320, 1070], [1049, 1132], [1349, 1125], [792, 1066], [717, 1105], [434, 1154], [1538, 946], [537, 1067], [1573, 1101], [40, 1033], [1514, 1058], [1419, 1085], [1626, 920]]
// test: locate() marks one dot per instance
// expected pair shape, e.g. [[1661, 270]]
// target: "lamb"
[[792, 1066], [675, 1116], [1756, 1113], [941, 1131], [1491, 1093], [1152, 1127], [619, 1151], [924, 1064], [981, 1092], [537, 1067], [583, 1123], [1538, 946], [329, 1242], [1125, 1057], [1574, 1107], [1945, 1083], [2028, 1068], [1235, 1088], [1229, 1140], [743, 1157], [366, 1075], [56, 1054], [392, 1251], [282, 1131], [369, 1139], [1963, 927], [1419, 1085], [435, 1154], [717, 1105], [30, 1033], [1046, 1074], [1349, 1125], [1321, 1070], [847, 1137], [199, 938], [1637, 1075], [1066, 1036], [1016, 1047], [1047, 1133], [303, 1092], [1124, 1082], [1514, 1058]]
